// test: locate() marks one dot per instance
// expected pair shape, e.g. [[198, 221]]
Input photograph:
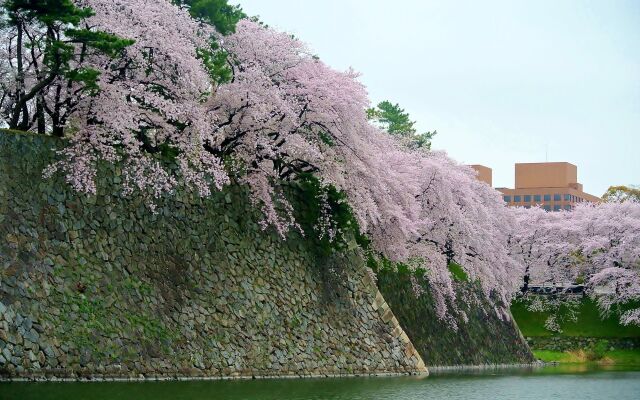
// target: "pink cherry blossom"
[[284, 114], [598, 244]]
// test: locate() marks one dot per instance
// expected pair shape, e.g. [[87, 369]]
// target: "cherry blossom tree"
[[467, 223], [282, 116], [598, 244], [611, 247], [287, 113], [152, 102], [546, 247]]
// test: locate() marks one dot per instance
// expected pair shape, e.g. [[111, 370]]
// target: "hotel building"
[[552, 185]]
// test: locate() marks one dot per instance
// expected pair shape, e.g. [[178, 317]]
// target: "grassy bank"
[[617, 357], [589, 323], [590, 339]]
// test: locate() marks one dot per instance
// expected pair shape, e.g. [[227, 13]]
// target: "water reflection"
[[542, 369], [558, 382]]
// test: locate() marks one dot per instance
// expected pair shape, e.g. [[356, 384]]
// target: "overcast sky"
[[501, 81]]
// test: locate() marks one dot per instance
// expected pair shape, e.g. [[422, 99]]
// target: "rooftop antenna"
[[546, 152]]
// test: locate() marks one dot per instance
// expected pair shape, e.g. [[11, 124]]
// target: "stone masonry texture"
[[480, 339], [99, 286]]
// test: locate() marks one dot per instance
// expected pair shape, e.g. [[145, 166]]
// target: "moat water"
[[560, 382]]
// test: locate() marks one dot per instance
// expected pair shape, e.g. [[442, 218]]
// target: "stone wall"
[[99, 286], [481, 340], [567, 343]]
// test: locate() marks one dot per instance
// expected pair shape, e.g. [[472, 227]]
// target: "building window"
[[567, 197], [547, 208], [517, 199], [507, 198], [547, 197], [556, 207], [537, 197], [567, 207], [527, 198], [557, 197]]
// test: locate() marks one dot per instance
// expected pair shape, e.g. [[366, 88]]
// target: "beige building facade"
[[551, 185], [485, 174]]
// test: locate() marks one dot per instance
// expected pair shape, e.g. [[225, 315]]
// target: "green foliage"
[[64, 45], [423, 140], [394, 119], [217, 13], [62, 16], [309, 191], [224, 18], [619, 194], [458, 272], [214, 60], [48, 12], [381, 264], [108, 44], [598, 350], [378, 264], [87, 76], [326, 138]]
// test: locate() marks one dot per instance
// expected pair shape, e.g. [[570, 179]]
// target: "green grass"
[[589, 323], [458, 273], [617, 357], [628, 357], [556, 356], [15, 131]]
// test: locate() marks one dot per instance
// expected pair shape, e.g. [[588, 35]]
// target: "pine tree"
[[47, 46], [393, 119]]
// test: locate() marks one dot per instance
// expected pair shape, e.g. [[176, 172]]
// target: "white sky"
[[501, 81]]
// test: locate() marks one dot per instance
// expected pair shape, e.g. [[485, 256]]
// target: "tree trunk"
[[42, 127], [57, 131], [19, 107]]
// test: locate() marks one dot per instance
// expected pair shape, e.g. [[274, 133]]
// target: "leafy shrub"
[[598, 350]]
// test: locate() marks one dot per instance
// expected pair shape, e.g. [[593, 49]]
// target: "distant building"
[[484, 173], [552, 185]]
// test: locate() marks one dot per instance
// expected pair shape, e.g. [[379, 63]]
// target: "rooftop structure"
[[552, 185], [485, 174]]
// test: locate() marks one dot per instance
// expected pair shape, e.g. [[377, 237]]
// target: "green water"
[[545, 383]]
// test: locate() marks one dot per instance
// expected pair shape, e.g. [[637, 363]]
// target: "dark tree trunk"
[[57, 131], [20, 108], [42, 127]]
